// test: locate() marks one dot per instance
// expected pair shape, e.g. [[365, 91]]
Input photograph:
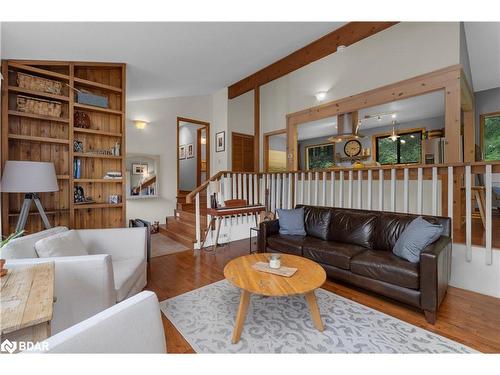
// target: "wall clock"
[[352, 148]]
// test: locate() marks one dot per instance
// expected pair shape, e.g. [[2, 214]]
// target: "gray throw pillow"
[[292, 222], [415, 238]]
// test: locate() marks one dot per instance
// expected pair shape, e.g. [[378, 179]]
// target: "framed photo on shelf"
[[220, 141], [190, 151], [182, 152], [138, 168]]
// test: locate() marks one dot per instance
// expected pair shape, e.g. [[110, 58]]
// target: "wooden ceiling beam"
[[346, 35]]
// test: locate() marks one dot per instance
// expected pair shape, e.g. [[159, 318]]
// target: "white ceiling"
[[407, 110], [165, 59], [483, 43]]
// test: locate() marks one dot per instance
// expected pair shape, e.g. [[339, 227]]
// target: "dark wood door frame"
[[199, 156], [206, 125]]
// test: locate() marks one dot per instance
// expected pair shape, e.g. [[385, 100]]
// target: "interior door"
[[242, 152]]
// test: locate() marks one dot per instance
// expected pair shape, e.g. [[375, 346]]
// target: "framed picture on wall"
[[220, 141], [182, 152], [320, 156], [138, 168], [190, 151]]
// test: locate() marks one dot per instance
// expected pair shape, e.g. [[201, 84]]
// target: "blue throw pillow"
[[415, 238], [292, 222]]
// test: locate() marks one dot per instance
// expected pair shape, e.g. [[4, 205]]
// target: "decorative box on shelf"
[[38, 106], [85, 97]]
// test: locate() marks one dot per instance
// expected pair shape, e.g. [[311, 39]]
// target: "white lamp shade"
[[29, 177]]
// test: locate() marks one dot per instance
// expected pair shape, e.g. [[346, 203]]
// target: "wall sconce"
[[320, 96], [139, 124]]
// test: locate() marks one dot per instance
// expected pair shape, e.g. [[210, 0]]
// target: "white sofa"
[[131, 326], [114, 270]]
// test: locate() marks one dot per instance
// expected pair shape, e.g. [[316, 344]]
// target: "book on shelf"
[[77, 168], [113, 175]]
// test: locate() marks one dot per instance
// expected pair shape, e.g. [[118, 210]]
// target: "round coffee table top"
[[309, 275]]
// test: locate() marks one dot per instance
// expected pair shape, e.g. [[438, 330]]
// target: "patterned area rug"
[[205, 317], [163, 245]]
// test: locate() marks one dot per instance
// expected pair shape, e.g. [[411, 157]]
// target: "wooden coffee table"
[[309, 277]]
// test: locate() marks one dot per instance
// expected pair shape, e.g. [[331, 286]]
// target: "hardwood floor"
[[466, 317]]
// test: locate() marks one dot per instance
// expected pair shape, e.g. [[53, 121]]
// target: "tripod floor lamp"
[[30, 178]]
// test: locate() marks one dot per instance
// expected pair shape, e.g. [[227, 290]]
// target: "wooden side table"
[[26, 299]]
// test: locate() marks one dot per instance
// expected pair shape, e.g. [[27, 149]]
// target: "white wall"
[[403, 51], [159, 137], [219, 160], [240, 118]]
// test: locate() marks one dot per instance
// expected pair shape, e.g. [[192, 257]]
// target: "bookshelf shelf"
[[107, 127]]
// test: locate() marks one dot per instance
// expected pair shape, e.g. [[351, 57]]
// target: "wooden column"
[[291, 149], [256, 129]]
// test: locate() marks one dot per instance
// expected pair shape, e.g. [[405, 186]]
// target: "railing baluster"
[[266, 194], [278, 190], [197, 219], [302, 187], [360, 189], [250, 189], [434, 190], [349, 201], [381, 190], [450, 196], [406, 196], [295, 188], [341, 189], [316, 188], [245, 190], [468, 214], [283, 190], [234, 190], [369, 191], [289, 204], [240, 190], [420, 190], [393, 190], [309, 189], [487, 214], [332, 189], [273, 192], [323, 192]]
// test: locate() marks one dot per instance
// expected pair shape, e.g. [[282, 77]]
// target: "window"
[[491, 136], [404, 150]]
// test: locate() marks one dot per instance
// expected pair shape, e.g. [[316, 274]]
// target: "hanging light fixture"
[[393, 137]]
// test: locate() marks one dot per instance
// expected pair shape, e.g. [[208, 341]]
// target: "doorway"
[[193, 154], [242, 157], [274, 150]]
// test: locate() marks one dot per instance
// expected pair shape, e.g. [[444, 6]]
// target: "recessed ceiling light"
[[341, 48], [393, 115], [320, 96]]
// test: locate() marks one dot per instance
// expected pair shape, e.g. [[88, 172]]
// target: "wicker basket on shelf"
[[38, 106], [34, 83]]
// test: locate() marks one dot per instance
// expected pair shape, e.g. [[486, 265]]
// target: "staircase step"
[[190, 217], [179, 237], [181, 226]]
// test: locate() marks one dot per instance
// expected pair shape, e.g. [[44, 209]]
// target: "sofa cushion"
[[126, 272], [62, 244], [291, 222], [24, 247], [285, 243], [317, 221], [353, 227], [415, 238], [385, 266], [336, 254]]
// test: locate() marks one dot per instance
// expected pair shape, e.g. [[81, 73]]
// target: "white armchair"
[[131, 326], [114, 270]]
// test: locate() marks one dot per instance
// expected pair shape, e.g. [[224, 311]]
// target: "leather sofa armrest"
[[266, 228], [435, 269]]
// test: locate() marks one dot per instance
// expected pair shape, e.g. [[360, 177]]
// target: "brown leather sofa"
[[355, 246]]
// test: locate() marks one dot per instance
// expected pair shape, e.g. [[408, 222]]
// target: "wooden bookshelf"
[[30, 136]]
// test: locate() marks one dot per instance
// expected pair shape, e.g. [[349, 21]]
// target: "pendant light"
[[393, 137]]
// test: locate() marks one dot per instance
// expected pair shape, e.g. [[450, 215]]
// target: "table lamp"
[[31, 178]]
